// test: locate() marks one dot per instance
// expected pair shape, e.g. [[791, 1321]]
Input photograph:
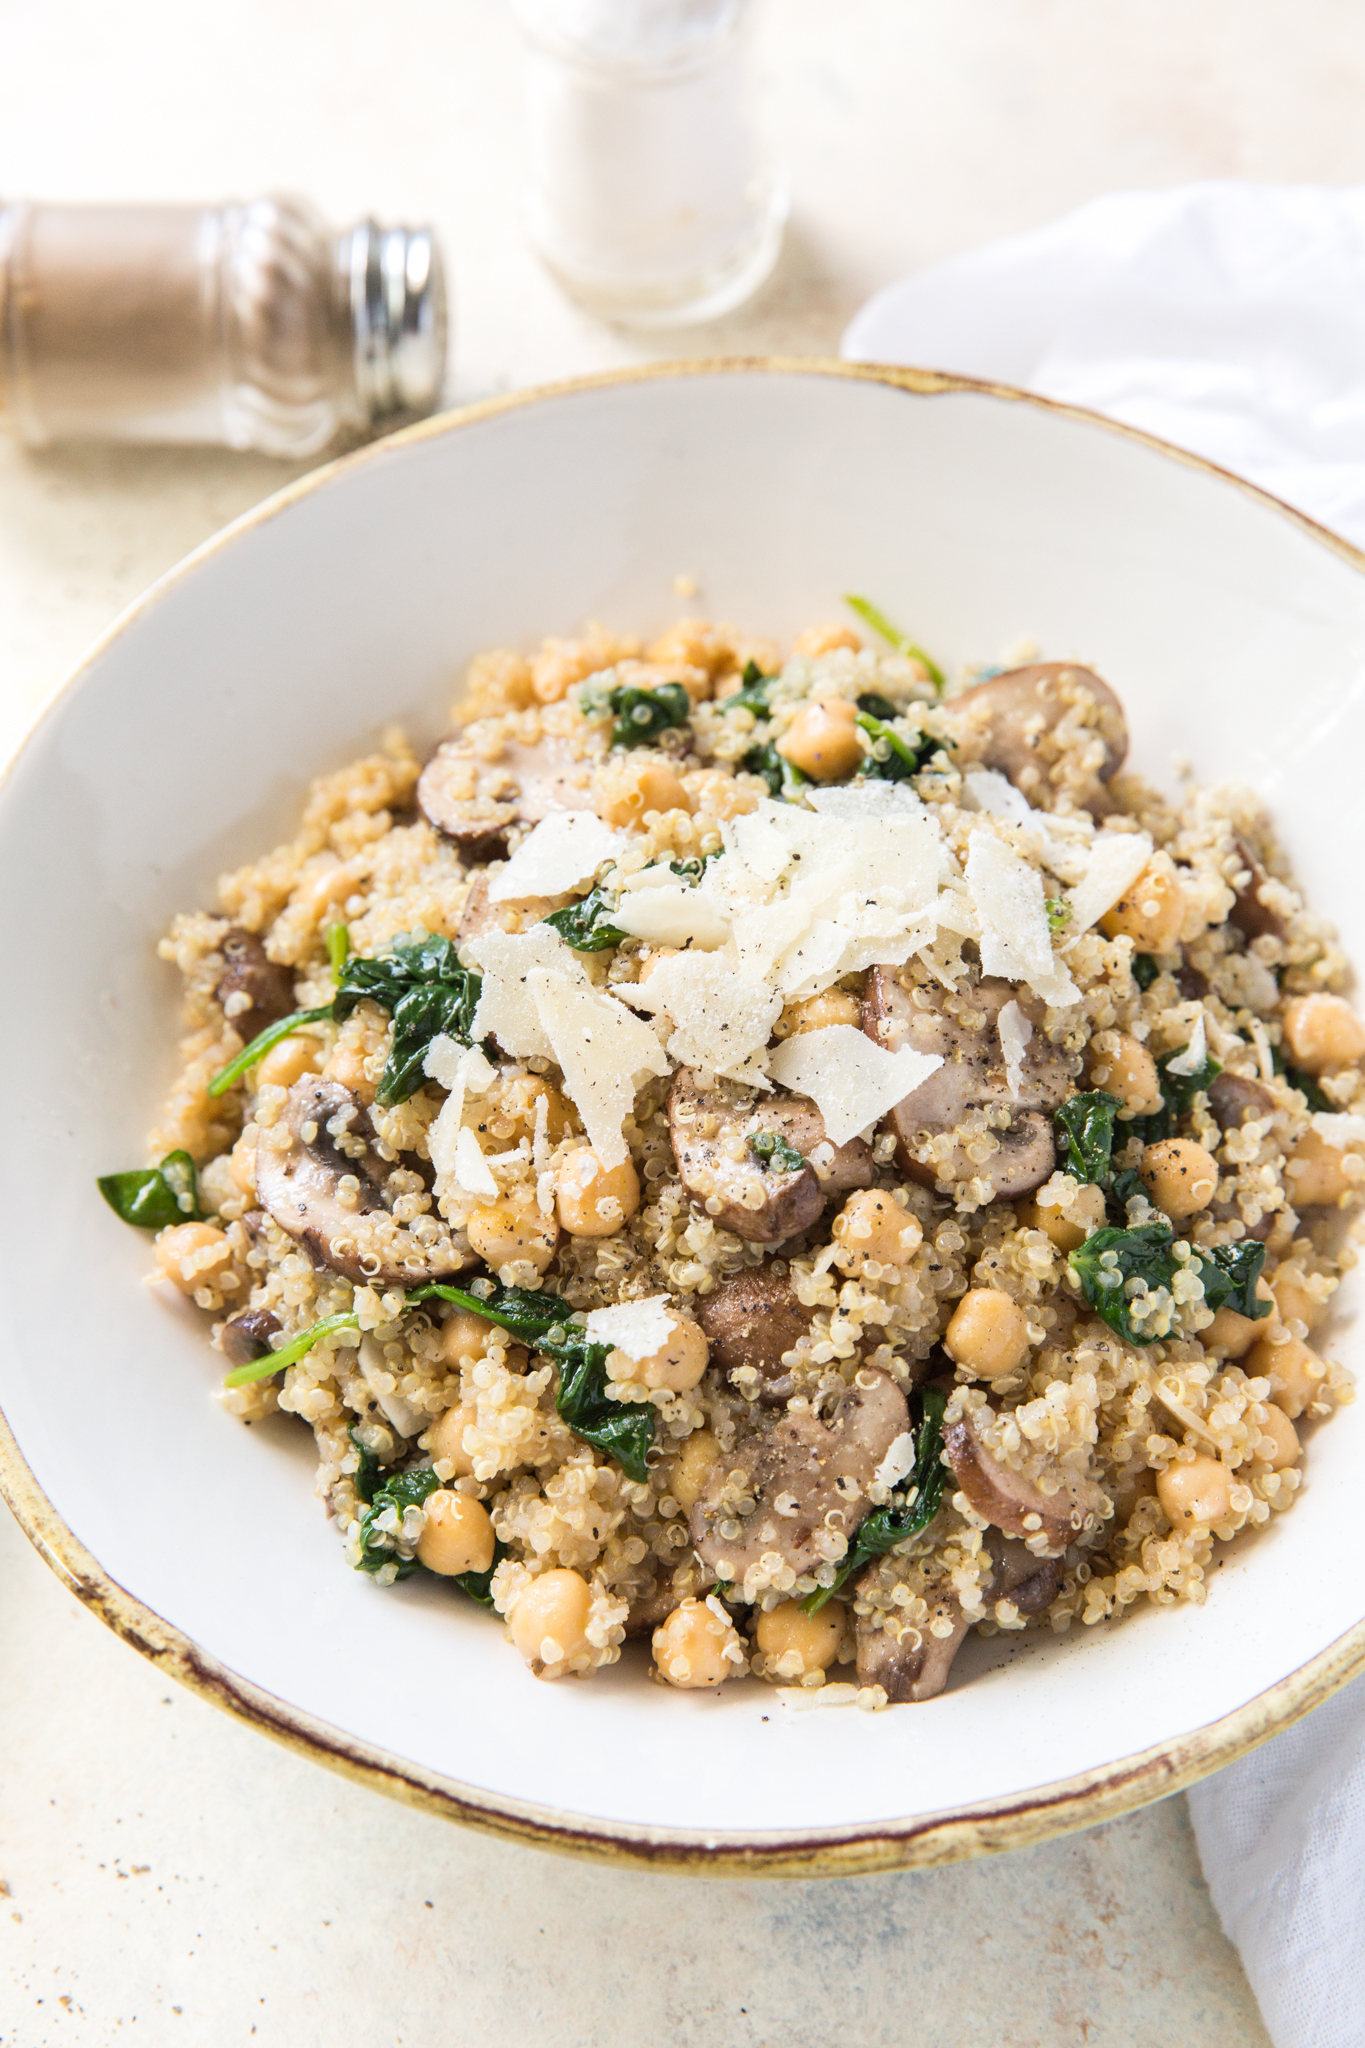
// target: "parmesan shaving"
[[601, 1049], [1116, 861], [1015, 1033], [561, 852], [506, 1009], [471, 1169], [1195, 1053], [898, 1463], [1007, 895], [1339, 1128], [675, 916], [636, 1328], [722, 1017], [852, 1081]]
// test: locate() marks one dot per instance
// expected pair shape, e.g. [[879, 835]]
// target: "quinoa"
[[1153, 1453]]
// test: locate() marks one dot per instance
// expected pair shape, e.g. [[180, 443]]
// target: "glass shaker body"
[[651, 192], [252, 326]]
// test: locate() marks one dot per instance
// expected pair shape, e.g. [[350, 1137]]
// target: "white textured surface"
[[274, 1898]]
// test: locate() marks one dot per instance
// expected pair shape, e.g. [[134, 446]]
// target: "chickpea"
[[242, 1163], [1151, 914], [796, 1643], [1180, 1176], [873, 1225], [1275, 1425], [1294, 1301], [1321, 1032], [622, 795], [690, 1647], [1233, 1335], [1295, 1373], [823, 740], [505, 1232], [595, 1200], [1196, 1491], [825, 639], [1066, 1228], [318, 893], [818, 1013], [549, 1622], [464, 1335], [288, 1061], [987, 1336], [458, 1536], [692, 1468], [346, 1063], [1316, 1172], [445, 1440], [1126, 1068], [194, 1255], [677, 1365]]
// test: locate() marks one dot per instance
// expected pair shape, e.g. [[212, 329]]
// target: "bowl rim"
[[864, 1848]]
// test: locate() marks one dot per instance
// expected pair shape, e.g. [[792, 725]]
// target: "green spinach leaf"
[[1142, 1254], [880, 624], [771, 1149], [586, 926], [154, 1196], [422, 985], [894, 759], [877, 706], [752, 694], [777, 771], [289, 1354], [1086, 1125], [1230, 1273], [1177, 1097], [366, 1479], [1145, 970], [641, 715], [402, 1490], [909, 1511]]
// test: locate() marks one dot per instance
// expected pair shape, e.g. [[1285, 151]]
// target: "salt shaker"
[[253, 326], [651, 194]]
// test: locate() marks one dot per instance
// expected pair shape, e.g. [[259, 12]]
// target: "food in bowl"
[[789, 1157]]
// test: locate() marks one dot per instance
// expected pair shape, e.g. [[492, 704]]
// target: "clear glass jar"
[[253, 326], [652, 194]]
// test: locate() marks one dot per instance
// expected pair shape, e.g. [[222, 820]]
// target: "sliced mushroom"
[[246, 1337], [1029, 1583], [750, 1320], [1013, 1504], [475, 801], [247, 971], [1233, 1099], [776, 1493], [757, 1200], [1252, 917], [972, 1076], [1008, 721], [325, 1139], [909, 1661]]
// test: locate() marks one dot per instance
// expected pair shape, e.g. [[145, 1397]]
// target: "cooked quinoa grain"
[[768, 1158]]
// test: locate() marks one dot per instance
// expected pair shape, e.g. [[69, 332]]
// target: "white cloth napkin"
[[1230, 319]]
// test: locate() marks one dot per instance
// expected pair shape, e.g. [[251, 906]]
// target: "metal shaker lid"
[[398, 317]]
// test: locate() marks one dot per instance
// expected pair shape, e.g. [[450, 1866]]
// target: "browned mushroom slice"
[[972, 1076], [908, 1660], [1008, 721], [318, 1174], [757, 1199], [1014, 1504], [1029, 1583], [775, 1494], [474, 801], [1252, 917], [247, 1337], [247, 971], [1233, 1099], [750, 1320]]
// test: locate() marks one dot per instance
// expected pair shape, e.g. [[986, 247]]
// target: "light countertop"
[[167, 1875]]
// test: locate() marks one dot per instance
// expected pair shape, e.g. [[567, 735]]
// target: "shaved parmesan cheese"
[[471, 1169], [1116, 861], [866, 800], [637, 1328], [1057, 989], [563, 851], [506, 1009], [1015, 1033], [675, 916], [601, 1049], [463, 1070], [451, 1064], [722, 1017], [1339, 1128], [852, 1081], [898, 1463], [1007, 895], [994, 793], [1195, 1053], [756, 840]]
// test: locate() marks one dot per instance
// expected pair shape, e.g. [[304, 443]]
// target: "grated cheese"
[[722, 1017], [1116, 861], [1015, 1033], [602, 1050], [852, 1081], [561, 852], [636, 1328]]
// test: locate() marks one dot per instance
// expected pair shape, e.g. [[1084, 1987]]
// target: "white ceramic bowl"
[[1234, 631]]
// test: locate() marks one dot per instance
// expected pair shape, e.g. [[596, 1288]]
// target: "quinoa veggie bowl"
[[928, 1274]]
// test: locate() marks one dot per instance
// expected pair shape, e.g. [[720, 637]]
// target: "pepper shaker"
[[252, 326]]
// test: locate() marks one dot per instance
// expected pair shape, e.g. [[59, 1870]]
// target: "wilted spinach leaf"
[[752, 694], [777, 771], [422, 985], [1177, 1097], [154, 1196], [1086, 1124], [586, 926], [1147, 1253], [894, 759], [402, 1490], [1230, 1273], [261, 1044], [877, 706], [366, 1478], [641, 715], [1145, 970], [911, 1508]]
